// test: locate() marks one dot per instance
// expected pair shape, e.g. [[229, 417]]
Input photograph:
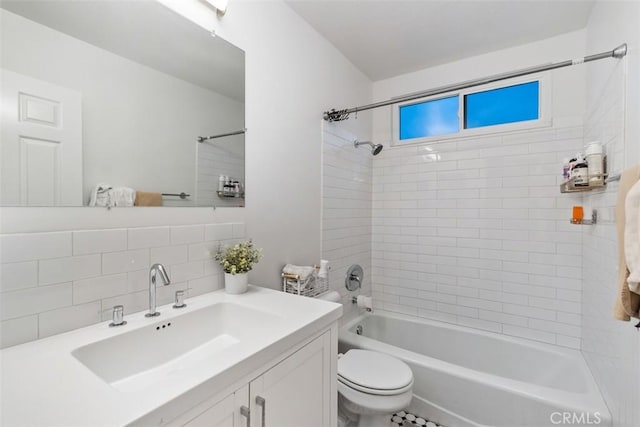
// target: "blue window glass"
[[429, 118], [499, 106]]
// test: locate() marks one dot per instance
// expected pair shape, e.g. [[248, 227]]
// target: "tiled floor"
[[404, 419]]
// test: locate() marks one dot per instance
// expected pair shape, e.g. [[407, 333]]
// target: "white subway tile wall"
[[55, 282], [611, 347], [219, 157], [475, 232], [346, 210]]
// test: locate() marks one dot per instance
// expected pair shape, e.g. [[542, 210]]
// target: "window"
[[429, 118], [509, 104], [523, 104]]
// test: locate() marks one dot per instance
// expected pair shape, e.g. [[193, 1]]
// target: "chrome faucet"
[[155, 268]]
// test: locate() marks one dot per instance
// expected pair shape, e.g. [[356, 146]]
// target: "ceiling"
[[148, 33], [386, 38]]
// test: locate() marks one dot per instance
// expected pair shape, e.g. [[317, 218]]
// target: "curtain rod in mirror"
[[206, 138]]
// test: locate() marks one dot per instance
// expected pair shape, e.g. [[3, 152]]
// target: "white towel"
[[100, 195], [632, 237], [302, 271], [123, 196], [107, 196]]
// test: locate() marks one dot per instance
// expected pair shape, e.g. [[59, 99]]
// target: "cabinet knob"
[[260, 401]]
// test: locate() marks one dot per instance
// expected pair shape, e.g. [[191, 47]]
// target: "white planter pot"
[[236, 283]]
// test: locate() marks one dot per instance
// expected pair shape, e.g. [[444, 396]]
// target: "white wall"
[[474, 230], [139, 125], [292, 76], [611, 347]]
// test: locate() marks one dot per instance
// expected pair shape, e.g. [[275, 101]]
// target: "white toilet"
[[371, 387]]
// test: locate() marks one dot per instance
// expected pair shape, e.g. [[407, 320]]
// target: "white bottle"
[[580, 172], [566, 167], [323, 272], [595, 159], [323, 275], [221, 183]]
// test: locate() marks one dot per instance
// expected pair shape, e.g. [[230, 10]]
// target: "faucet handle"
[[118, 316], [179, 301]]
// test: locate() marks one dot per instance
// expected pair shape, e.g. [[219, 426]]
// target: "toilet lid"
[[373, 370]]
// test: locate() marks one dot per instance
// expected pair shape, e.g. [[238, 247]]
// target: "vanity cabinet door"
[[225, 413], [297, 391]]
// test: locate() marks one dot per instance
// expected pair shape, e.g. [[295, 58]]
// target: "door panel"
[[40, 143], [297, 391], [225, 413]]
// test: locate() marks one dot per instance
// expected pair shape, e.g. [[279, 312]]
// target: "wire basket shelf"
[[312, 286]]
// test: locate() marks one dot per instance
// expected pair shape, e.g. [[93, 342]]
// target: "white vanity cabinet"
[[297, 391]]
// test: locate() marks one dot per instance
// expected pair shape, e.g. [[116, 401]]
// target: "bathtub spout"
[[354, 300]]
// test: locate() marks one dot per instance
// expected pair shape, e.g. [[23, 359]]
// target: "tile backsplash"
[[58, 281]]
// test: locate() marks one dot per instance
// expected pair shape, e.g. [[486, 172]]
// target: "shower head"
[[375, 148]]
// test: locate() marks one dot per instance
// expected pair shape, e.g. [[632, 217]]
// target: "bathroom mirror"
[[100, 98]]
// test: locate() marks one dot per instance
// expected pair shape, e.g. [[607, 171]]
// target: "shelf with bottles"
[[229, 194], [575, 185], [585, 172], [229, 187]]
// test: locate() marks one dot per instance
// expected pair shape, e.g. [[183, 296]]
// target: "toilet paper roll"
[[332, 296], [364, 302]]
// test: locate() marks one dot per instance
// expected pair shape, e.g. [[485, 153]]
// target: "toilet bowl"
[[371, 387]]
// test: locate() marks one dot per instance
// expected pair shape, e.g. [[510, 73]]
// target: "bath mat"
[[403, 418]]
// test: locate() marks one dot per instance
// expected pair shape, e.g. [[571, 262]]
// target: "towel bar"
[[182, 195]]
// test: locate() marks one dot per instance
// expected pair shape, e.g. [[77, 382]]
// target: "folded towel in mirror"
[[107, 196], [100, 195], [145, 198], [122, 196]]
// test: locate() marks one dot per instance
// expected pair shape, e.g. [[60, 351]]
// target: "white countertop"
[[43, 384]]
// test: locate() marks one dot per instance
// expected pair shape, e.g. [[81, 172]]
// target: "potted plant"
[[237, 261]]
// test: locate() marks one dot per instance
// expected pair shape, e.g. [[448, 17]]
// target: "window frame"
[[544, 112]]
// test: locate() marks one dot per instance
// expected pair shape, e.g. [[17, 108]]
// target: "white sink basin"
[[170, 349]]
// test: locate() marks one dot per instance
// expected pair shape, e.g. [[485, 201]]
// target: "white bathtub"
[[465, 377]]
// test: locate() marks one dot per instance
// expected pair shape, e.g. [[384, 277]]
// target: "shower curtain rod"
[[339, 115], [206, 138]]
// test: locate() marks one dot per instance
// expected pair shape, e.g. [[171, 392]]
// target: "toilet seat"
[[374, 373]]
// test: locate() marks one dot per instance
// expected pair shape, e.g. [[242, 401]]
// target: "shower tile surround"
[[346, 210], [475, 232], [58, 281]]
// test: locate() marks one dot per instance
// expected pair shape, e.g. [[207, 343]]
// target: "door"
[[226, 413], [40, 143], [297, 391]]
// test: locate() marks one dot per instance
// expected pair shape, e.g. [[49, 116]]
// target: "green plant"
[[239, 258]]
